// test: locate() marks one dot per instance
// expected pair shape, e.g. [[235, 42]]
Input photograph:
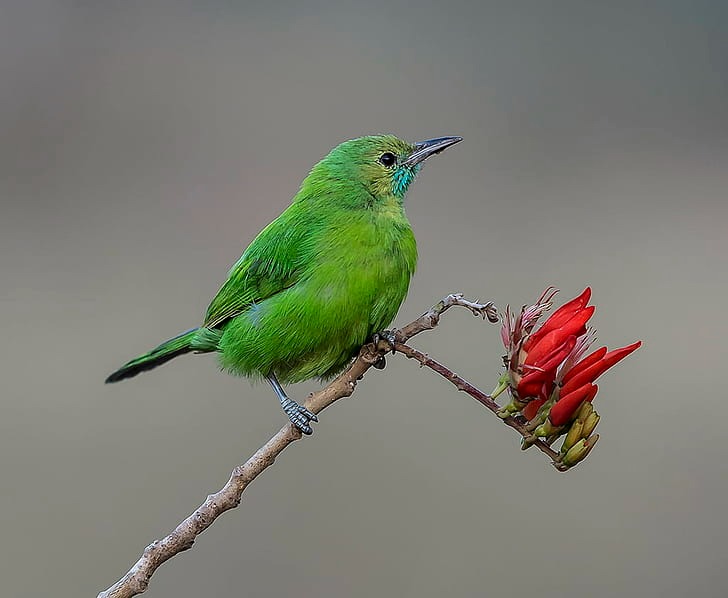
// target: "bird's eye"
[[388, 159]]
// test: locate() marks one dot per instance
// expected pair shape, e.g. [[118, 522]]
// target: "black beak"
[[425, 149]]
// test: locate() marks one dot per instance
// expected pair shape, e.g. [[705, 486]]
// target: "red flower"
[[576, 385], [535, 355], [550, 381]]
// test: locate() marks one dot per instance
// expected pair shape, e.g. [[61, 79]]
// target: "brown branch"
[[518, 423], [229, 496]]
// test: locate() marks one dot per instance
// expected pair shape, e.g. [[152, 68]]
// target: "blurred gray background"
[[143, 145]]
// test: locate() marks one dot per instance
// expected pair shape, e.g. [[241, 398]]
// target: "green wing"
[[274, 261]]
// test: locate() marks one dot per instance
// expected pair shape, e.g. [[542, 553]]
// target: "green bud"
[[584, 411], [503, 384], [579, 451], [513, 407], [573, 435], [547, 429], [589, 424]]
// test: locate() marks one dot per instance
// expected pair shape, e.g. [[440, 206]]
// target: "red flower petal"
[[541, 352], [530, 410], [560, 317], [539, 385], [546, 369], [567, 405], [595, 370], [540, 382], [584, 363], [549, 342]]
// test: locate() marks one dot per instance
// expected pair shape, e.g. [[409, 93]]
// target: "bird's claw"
[[299, 416], [390, 336]]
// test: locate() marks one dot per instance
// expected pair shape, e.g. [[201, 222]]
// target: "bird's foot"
[[299, 415], [388, 336]]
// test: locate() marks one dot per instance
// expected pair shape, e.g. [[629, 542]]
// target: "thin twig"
[[228, 497], [462, 384]]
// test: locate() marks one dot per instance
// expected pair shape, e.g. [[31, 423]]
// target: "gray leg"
[[299, 416]]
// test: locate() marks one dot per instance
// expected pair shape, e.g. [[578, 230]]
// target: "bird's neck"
[[322, 190], [389, 207]]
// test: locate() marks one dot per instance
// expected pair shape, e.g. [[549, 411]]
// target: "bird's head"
[[382, 165]]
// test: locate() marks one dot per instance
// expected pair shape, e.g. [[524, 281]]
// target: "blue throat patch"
[[402, 179]]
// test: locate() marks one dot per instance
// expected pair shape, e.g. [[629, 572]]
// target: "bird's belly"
[[313, 328]]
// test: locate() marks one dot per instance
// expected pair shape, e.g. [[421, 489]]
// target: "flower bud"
[[579, 451], [547, 429], [584, 411], [573, 435], [590, 423]]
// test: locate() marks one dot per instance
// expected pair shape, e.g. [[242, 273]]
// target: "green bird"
[[318, 281]]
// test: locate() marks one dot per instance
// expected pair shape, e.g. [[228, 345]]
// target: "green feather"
[[179, 345], [320, 279]]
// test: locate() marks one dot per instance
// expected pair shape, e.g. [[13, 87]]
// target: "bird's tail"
[[197, 339]]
